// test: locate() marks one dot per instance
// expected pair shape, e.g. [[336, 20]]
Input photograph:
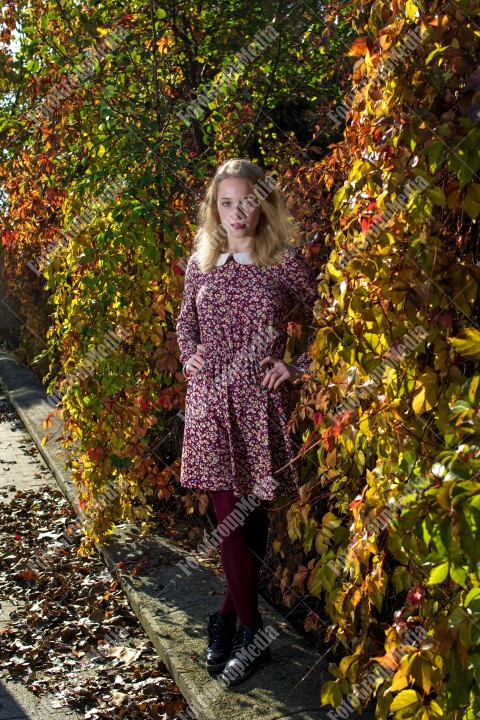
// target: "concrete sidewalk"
[[173, 607]]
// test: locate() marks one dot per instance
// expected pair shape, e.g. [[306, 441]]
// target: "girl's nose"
[[240, 213]]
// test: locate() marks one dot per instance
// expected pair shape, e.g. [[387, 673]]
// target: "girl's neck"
[[237, 249]]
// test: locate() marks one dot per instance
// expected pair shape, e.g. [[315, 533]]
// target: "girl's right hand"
[[195, 362]]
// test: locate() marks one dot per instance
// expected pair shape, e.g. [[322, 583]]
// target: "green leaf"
[[471, 202], [116, 461], [471, 595], [438, 574], [338, 197], [458, 574], [434, 53], [458, 162], [435, 152], [437, 195], [460, 406], [32, 65], [310, 531]]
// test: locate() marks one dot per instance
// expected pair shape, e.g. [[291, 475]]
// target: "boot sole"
[[216, 668]]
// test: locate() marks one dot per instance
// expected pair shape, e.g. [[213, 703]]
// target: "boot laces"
[[219, 626], [243, 637]]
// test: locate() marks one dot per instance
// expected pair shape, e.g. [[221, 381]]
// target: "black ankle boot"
[[250, 647], [221, 631]]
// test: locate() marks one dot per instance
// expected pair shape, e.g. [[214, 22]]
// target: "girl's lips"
[[238, 227]]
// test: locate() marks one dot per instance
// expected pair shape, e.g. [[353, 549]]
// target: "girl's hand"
[[195, 362], [280, 372]]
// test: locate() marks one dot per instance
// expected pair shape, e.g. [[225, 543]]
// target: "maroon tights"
[[242, 552]]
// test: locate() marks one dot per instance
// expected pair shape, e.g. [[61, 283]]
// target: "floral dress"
[[235, 434]]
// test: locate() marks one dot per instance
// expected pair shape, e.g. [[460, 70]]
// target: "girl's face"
[[239, 217]]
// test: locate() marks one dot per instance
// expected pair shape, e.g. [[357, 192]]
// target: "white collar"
[[244, 258]]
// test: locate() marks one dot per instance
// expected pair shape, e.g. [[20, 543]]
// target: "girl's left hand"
[[280, 372]]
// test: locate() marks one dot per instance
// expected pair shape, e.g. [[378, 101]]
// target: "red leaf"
[[365, 224]]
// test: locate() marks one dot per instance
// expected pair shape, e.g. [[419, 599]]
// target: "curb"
[[173, 604]]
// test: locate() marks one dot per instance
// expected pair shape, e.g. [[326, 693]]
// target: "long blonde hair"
[[274, 228]]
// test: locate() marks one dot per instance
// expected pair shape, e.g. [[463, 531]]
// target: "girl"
[[242, 283]]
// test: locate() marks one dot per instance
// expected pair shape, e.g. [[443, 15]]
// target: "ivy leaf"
[[435, 711], [309, 534], [471, 201], [435, 152], [438, 574], [359, 47], [472, 386], [399, 681], [411, 10], [471, 595], [467, 343], [458, 574], [426, 393], [331, 694], [436, 195], [434, 53], [405, 699]]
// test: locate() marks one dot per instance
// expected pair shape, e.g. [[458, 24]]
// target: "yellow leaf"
[[426, 676], [399, 682], [467, 343], [426, 393], [411, 10], [321, 543], [405, 699], [421, 670], [388, 661], [435, 711], [331, 694]]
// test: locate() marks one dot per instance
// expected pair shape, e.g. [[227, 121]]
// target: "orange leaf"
[[360, 46]]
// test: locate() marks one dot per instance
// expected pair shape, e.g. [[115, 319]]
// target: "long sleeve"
[[187, 326], [303, 285]]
